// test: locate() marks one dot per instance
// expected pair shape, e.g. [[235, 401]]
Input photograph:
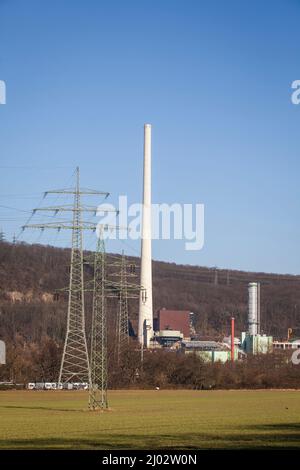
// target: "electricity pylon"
[[98, 379], [75, 361], [98, 357], [123, 291], [103, 289], [122, 333]]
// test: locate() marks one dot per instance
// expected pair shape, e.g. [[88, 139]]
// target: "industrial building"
[[167, 339], [257, 344], [173, 330], [171, 327], [286, 345], [178, 320], [252, 342], [208, 351]]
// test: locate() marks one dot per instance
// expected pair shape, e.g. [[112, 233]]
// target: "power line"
[[99, 373], [75, 361]]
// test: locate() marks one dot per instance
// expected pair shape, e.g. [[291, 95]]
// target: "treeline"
[[167, 370], [39, 362], [33, 319]]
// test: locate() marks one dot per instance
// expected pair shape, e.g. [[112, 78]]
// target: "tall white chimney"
[[145, 331], [254, 308]]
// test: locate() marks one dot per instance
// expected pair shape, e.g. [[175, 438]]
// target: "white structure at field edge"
[[145, 328]]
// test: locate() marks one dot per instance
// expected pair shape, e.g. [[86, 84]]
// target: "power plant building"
[[208, 351], [252, 341], [177, 320], [171, 327], [257, 344]]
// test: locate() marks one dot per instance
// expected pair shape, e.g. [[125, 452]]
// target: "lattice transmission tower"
[[75, 360], [76, 363], [102, 289], [123, 290], [98, 380], [122, 333], [105, 288]]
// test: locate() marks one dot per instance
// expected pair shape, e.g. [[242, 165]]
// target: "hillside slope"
[[30, 274]]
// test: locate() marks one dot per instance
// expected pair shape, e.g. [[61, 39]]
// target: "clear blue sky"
[[214, 79]]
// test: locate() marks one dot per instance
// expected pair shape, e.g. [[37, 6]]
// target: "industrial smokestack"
[[145, 331], [254, 308], [232, 338]]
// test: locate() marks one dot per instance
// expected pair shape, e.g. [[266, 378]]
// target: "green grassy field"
[[151, 420]]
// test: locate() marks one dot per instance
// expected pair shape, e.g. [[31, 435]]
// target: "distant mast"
[[145, 331]]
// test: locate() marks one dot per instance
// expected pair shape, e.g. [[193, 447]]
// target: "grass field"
[[151, 420]]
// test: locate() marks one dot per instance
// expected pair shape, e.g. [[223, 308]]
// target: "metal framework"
[[75, 360], [120, 291], [105, 288], [76, 363], [98, 379], [125, 291], [122, 334]]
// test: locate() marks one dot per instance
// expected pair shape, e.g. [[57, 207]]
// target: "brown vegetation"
[[39, 362], [33, 320]]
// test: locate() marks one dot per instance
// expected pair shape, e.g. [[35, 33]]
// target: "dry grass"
[[151, 420]]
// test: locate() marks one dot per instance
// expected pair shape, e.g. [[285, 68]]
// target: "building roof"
[[169, 334], [174, 320], [205, 345]]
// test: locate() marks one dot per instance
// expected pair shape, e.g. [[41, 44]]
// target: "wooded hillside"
[[31, 274], [33, 310]]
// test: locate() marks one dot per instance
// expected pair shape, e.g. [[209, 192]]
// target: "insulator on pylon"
[[132, 268]]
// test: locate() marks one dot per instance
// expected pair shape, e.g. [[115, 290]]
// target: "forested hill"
[[30, 275]]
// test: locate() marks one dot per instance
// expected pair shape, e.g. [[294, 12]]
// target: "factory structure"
[[165, 328], [173, 328], [145, 326], [252, 341]]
